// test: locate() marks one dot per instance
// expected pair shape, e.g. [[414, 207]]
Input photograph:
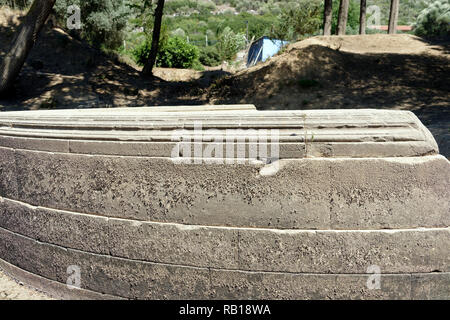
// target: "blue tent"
[[264, 48]]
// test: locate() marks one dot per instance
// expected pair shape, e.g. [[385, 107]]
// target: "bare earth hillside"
[[372, 71], [387, 71]]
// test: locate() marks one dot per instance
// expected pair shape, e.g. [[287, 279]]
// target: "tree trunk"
[[327, 17], [343, 16], [362, 17], [23, 42], [393, 17], [148, 68]]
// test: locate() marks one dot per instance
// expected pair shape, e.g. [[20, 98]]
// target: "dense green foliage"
[[289, 20], [174, 7], [409, 9], [299, 20], [141, 52], [102, 21], [219, 28], [141, 15], [434, 20], [197, 27], [230, 43], [173, 53], [352, 20], [177, 53], [209, 56]]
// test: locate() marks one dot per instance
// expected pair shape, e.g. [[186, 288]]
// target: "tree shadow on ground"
[[63, 72]]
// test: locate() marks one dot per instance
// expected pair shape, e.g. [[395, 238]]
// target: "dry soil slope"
[[390, 71], [372, 71]]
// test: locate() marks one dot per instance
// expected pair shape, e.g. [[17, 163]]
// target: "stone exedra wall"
[[148, 203]]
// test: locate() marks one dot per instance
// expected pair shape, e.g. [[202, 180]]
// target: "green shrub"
[[175, 53], [141, 52], [209, 56], [297, 20], [103, 21], [434, 20], [198, 66], [229, 44]]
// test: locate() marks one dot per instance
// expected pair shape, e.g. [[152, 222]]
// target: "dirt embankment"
[[372, 71], [395, 71]]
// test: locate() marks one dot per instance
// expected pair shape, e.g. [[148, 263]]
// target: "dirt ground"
[[10, 289]]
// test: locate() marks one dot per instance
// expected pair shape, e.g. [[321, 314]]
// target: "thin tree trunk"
[[343, 16], [148, 68], [362, 17], [393, 17], [327, 17], [23, 42]]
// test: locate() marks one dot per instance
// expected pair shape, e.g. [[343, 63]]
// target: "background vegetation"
[[434, 20], [211, 31]]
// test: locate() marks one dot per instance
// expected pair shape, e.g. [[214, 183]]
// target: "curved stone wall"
[[354, 191]]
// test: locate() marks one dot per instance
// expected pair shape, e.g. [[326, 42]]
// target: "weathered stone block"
[[8, 173], [108, 191]]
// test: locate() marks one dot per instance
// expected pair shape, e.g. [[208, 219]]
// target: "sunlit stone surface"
[[224, 202]]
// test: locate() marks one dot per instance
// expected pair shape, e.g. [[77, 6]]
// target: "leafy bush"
[[198, 66], [175, 53], [141, 52], [302, 18], [103, 21], [209, 56], [434, 20], [230, 43], [186, 7], [179, 33]]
